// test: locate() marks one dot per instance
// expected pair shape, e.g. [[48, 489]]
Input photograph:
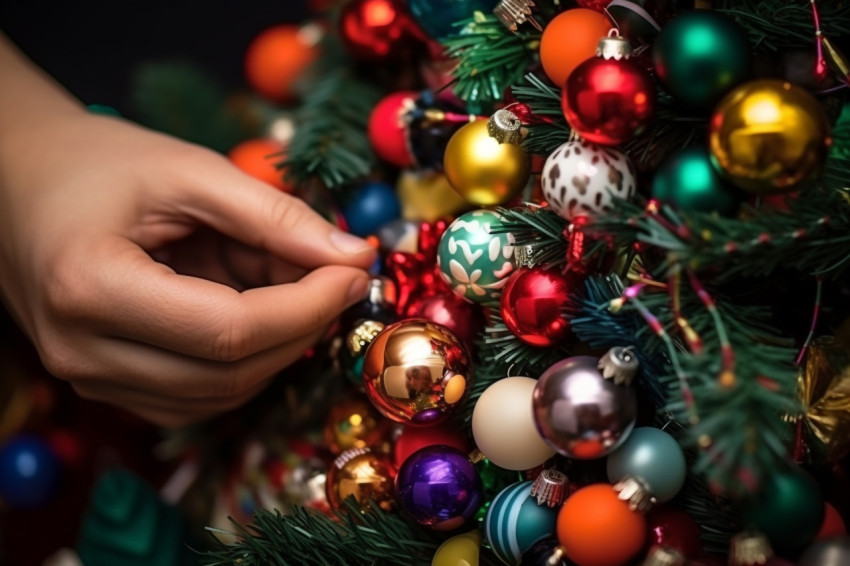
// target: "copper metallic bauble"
[[365, 474], [416, 372]]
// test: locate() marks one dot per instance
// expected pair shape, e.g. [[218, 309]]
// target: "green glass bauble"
[[688, 181], [437, 17], [700, 55], [475, 260], [789, 511]]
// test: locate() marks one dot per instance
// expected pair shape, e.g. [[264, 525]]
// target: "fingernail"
[[348, 244], [357, 291]]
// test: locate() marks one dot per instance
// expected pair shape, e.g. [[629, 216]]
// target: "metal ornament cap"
[[512, 13], [636, 493], [614, 47], [549, 488], [664, 556], [749, 548], [620, 364], [362, 335], [504, 126]]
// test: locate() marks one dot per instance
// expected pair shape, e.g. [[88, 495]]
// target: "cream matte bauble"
[[503, 425]]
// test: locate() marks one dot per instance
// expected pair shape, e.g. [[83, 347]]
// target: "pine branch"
[[539, 229]]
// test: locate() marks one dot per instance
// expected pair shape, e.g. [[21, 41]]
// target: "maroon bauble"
[[597, 5], [412, 438], [461, 317], [608, 101], [534, 303], [374, 29], [672, 527]]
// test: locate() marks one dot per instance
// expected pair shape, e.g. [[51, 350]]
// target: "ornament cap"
[[382, 291], [620, 364], [749, 548], [362, 335], [524, 256], [504, 126], [550, 488], [613, 46], [634, 491], [664, 556], [512, 13]]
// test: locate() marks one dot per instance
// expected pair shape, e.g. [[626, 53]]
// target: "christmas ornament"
[[832, 525], [416, 372], [416, 274], [493, 478], [653, 456], [259, 158], [634, 20], [688, 181], [386, 128], [438, 487], [431, 123], [482, 169], [768, 135], [830, 552], [545, 552], [363, 473], [515, 522], [752, 549], [823, 387], [503, 425], [412, 438], [514, 13], [372, 205], [276, 58], [569, 39], [475, 258], [305, 484], [373, 30], [29, 472], [619, 364], [579, 413], [534, 305], [609, 99], [427, 196], [460, 550], [788, 510], [700, 55], [673, 528], [353, 423], [463, 318], [582, 179], [596, 528], [550, 488], [364, 320], [437, 17], [399, 235]]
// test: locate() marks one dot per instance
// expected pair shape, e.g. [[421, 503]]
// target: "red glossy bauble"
[[413, 438], [608, 101], [672, 527], [461, 317], [374, 29], [387, 129], [533, 305], [833, 524]]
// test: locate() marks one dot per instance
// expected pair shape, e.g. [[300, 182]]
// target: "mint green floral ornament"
[[474, 260]]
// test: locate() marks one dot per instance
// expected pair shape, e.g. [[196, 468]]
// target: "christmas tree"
[[619, 335]]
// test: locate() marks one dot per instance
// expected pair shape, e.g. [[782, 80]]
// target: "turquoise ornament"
[[515, 522], [437, 17], [688, 181], [653, 456], [474, 259]]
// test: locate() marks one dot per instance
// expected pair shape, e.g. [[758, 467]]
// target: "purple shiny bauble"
[[439, 487]]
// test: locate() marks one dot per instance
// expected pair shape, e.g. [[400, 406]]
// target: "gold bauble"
[[768, 135], [427, 196], [482, 170], [824, 390], [354, 423], [364, 474]]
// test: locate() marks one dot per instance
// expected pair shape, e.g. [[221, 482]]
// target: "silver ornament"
[[619, 364], [579, 413], [581, 178]]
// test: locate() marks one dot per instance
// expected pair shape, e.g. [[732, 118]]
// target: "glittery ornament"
[[515, 522], [364, 474], [416, 372], [474, 259], [581, 179]]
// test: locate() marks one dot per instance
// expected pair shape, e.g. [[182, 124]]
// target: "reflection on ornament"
[[364, 474], [688, 181], [417, 372], [674, 528], [373, 30], [463, 318], [534, 305], [412, 438], [768, 136], [427, 196], [515, 522]]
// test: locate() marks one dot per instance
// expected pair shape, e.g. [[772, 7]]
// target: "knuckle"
[[62, 361], [287, 212], [233, 341], [65, 293]]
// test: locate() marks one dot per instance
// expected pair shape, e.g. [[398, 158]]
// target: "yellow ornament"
[[482, 169], [427, 196], [768, 135], [460, 550]]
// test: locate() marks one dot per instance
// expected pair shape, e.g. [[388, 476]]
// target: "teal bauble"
[[474, 258], [437, 17], [515, 522], [788, 511], [700, 55], [688, 181], [653, 456]]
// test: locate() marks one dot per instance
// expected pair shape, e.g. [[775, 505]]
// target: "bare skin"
[[150, 273]]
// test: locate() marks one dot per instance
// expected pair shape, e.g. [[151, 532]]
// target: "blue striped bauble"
[[515, 521]]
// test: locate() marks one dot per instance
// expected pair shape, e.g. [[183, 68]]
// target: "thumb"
[[261, 216]]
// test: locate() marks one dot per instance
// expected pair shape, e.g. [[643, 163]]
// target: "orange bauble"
[[277, 57], [257, 158], [597, 529], [570, 39]]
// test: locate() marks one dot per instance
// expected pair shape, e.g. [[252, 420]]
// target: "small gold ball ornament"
[[484, 162], [767, 136]]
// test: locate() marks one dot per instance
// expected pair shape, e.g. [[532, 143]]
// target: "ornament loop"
[[504, 126], [613, 46], [620, 364], [634, 491], [550, 488]]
